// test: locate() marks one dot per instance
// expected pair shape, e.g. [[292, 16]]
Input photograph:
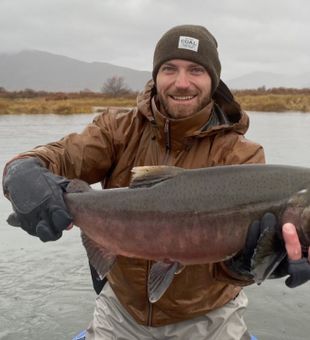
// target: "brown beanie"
[[189, 42]]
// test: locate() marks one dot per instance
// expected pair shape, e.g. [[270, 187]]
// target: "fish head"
[[298, 213], [270, 250]]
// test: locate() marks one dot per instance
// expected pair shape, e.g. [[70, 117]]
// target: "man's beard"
[[179, 111]]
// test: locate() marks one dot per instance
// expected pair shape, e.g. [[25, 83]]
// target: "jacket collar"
[[209, 120]]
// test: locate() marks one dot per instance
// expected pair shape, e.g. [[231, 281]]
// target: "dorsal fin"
[[146, 176]]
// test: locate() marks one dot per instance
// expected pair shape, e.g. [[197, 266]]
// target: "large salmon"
[[173, 215]]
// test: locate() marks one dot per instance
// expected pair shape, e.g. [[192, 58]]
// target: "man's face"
[[183, 87]]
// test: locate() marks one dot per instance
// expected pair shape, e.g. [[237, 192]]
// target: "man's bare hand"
[[298, 266]]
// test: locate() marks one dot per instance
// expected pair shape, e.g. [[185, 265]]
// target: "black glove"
[[36, 195], [259, 262], [242, 263], [299, 271]]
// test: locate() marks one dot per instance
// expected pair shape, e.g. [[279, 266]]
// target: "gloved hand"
[[276, 264], [299, 271], [36, 195], [242, 262]]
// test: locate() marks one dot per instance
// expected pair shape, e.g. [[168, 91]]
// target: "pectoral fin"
[[160, 278], [268, 255], [99, 257]]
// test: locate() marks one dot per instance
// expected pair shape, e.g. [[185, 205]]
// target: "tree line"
[[117, 87], [112, 87]]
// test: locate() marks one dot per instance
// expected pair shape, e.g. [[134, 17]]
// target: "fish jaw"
[[270, 250], [298, 213]]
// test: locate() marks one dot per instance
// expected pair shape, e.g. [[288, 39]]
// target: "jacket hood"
[[220, 119]]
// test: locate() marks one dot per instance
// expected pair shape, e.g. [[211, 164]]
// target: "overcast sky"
[[262, 35]]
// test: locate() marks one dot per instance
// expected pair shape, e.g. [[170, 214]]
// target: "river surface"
[[45, 289]]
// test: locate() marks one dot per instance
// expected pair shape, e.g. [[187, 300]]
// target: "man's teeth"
[[182, 97]]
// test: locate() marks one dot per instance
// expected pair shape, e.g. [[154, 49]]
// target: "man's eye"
[[197, 70], [167, 68]]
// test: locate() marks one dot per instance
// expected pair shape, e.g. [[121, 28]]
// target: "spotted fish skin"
[[189, 216]]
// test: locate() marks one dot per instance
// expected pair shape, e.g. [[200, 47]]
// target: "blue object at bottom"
[[82, 336]]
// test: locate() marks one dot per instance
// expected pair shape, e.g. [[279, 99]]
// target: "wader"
[[112, 322]]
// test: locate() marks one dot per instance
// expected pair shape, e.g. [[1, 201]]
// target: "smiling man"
[[186, 69], [187, 117], [184, 88]]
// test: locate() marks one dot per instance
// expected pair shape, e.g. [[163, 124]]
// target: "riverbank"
[[59, 106], [274, 100]]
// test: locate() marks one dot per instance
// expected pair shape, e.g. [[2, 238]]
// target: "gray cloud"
[[265, 35]]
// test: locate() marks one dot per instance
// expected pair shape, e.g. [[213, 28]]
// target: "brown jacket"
[[115, 142]]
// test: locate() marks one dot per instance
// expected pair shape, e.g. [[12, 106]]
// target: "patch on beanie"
[[188, 43]]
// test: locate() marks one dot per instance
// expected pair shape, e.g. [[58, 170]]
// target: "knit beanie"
[[189, 42]]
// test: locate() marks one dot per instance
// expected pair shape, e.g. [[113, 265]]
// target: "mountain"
[[269, 80], [39, 70]]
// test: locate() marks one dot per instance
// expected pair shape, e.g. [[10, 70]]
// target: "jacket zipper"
[[149, 318], [167, 140], [165, 161]]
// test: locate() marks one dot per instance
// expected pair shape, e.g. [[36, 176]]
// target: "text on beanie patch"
[[188, 43]]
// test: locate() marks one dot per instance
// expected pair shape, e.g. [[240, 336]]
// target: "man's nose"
[[182, 81]]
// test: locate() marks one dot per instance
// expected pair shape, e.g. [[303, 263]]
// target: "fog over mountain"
[[270, 80], [40, 70]]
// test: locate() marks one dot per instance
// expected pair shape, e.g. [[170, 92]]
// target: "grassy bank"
[[63, 106], [274, 100]]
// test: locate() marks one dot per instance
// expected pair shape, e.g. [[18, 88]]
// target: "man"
[[185, 117]]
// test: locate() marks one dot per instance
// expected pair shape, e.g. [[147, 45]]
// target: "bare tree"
[[115, 86]]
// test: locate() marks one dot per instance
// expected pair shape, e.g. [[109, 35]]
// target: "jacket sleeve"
[[88, 155], [242, 151]]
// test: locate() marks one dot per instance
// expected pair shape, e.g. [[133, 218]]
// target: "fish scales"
[[195, 216]]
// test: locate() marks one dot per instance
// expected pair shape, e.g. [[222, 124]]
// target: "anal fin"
[[160, 278]]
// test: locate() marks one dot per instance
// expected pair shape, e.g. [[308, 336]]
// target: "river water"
[[45, 289]]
